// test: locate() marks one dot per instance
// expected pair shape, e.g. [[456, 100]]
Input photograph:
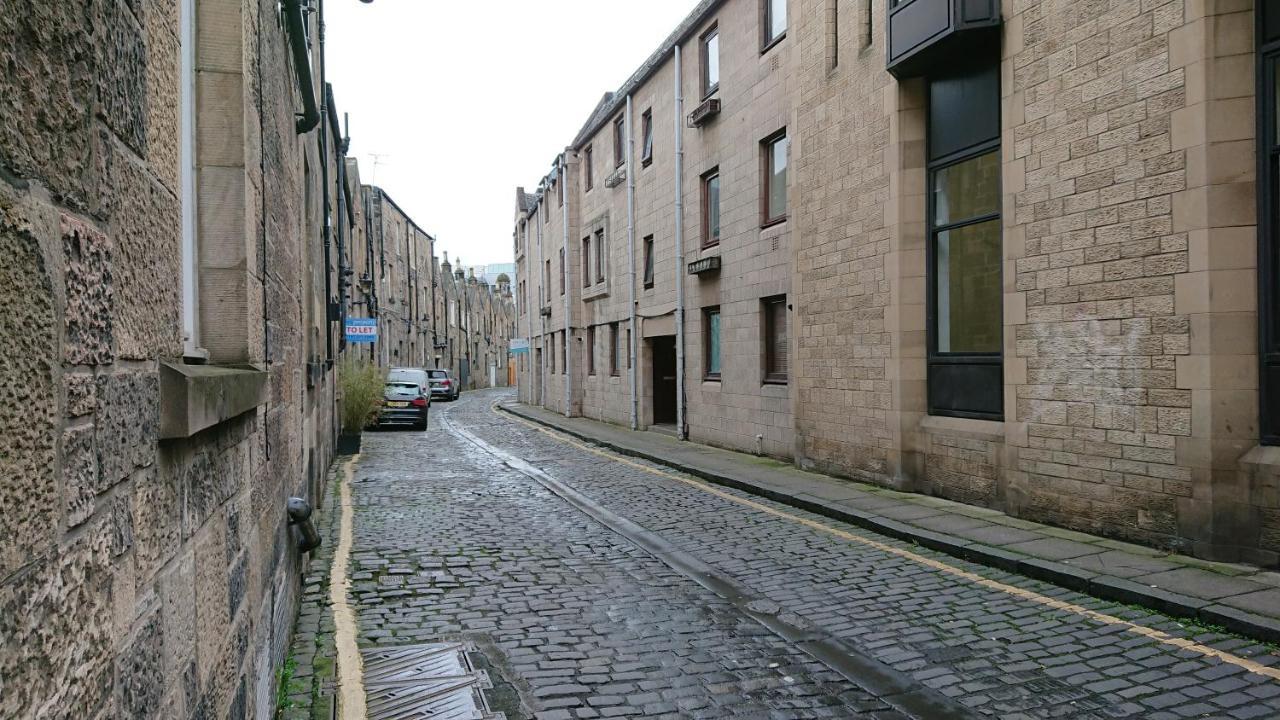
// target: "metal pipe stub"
[[299, 511]]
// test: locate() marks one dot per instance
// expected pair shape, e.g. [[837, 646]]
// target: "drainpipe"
[[681, 431], [568, 290], [296, 20], [631, 264], [542, 319]]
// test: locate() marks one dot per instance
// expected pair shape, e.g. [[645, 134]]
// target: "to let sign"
[[518, 345], [362, 330]]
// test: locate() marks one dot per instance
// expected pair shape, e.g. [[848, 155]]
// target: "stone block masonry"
[[1127, 401]]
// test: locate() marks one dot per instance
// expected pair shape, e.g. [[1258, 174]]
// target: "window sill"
[[646, 162], [773, 43], [595, 292], [648, 286], [1262, 456], [774, 381], [706, 94], [971, 427], [711, 379], [773, 222], [197, 397]]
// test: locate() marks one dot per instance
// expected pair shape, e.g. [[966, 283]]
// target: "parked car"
[[415, 375], [405, 403], [443, 385]]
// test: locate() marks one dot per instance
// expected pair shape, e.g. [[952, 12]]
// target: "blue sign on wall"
[[362, 330]]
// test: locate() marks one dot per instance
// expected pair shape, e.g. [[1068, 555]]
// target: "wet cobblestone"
[[452, 544]]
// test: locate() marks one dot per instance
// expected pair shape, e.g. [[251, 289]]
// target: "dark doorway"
[[664, 379]]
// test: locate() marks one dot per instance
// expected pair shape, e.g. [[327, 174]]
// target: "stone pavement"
[[1241, 598], [574, 616]]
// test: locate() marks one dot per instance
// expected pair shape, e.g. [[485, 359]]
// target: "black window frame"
[[709, 88], [602, 260], [1267, 59], [980, 373], [587, 169], [766, 178], [704, 203], [619, 141], [647, 245], [615, 337], [707, 373], [586, 262], [564, 271], [591, 350], [766, 25], [769, 355], [646, 138]]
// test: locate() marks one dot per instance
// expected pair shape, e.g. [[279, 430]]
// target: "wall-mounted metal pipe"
[[296, 24], [681, 430], [631, 261], [568, 307]]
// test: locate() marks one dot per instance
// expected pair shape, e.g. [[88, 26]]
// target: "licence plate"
[[397, 404]]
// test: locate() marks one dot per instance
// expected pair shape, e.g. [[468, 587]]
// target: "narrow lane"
[[451, 542]]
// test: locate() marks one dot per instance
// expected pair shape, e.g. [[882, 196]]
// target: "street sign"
[[518, 345], [362, 330]]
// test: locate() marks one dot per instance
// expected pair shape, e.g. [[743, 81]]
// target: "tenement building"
[[1018, 254]]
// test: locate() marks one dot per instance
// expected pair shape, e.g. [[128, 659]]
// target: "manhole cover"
[[424, 682]]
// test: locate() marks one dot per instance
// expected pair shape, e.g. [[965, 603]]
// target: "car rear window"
[[438, 373], [403, 385]]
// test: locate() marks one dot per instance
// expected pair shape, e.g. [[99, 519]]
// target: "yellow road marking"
[[1152, 633], [351, 698]]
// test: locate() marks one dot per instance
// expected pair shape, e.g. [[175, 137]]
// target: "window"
[[563, 271], [628, 348], [615, 340], [711, 343], [546, 284], [711, 208], [648, 261], [646, 134], [564, 352], [586, 262], [619, 147], [710, 61], [591, 350], [775, 21], [1268, 151], [546, 209], [774, 189], [586, 168], [965, 254], [601, 254], [552, 339], [559, 194], [775, 339]]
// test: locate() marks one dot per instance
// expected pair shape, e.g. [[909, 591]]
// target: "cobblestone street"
[[612, 588]]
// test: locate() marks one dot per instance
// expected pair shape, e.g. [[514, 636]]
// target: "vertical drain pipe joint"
[[299, 511]]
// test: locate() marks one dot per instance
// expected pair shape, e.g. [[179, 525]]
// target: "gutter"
[[568, 281], [631, 255], [296, 23]]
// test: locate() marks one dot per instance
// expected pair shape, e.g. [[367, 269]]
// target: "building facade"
[[1013, 254], [184, 239]]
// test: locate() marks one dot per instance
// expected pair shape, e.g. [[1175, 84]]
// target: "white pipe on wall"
[[681, 430], [542, 319], [568, 292], [631, 257]]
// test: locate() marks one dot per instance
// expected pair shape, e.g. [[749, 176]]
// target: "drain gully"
[[435, 681]]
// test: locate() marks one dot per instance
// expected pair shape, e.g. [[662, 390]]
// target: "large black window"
[[1268, 74], [965, 250]]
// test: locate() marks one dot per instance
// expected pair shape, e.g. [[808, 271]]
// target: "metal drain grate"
[[425, 682]]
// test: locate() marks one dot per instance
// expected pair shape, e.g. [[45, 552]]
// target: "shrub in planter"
[[362, 387]]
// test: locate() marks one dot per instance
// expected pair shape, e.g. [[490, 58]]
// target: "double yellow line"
[[1030, 595]]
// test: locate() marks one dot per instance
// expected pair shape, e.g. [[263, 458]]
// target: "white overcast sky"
[[463, 100]]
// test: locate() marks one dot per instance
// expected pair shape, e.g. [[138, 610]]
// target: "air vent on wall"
[[704, 112]]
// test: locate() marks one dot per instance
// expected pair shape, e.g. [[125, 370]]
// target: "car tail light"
[[447, 383], [419, 402]]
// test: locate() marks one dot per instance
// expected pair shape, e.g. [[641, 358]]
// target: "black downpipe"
[[327, 230], [296, 21]]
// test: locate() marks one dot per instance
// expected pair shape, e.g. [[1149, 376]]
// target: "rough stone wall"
[[140, 577]]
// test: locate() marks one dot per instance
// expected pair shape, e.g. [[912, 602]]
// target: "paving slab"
[[1201, 583], [1053, 548]]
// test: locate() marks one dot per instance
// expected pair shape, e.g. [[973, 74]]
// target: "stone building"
[[401, 278], [169, 189], [1022, 253]]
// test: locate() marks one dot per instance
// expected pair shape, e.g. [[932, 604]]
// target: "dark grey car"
[[404, 404]]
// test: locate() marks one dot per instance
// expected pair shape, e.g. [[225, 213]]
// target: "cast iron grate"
[[435, 681]]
